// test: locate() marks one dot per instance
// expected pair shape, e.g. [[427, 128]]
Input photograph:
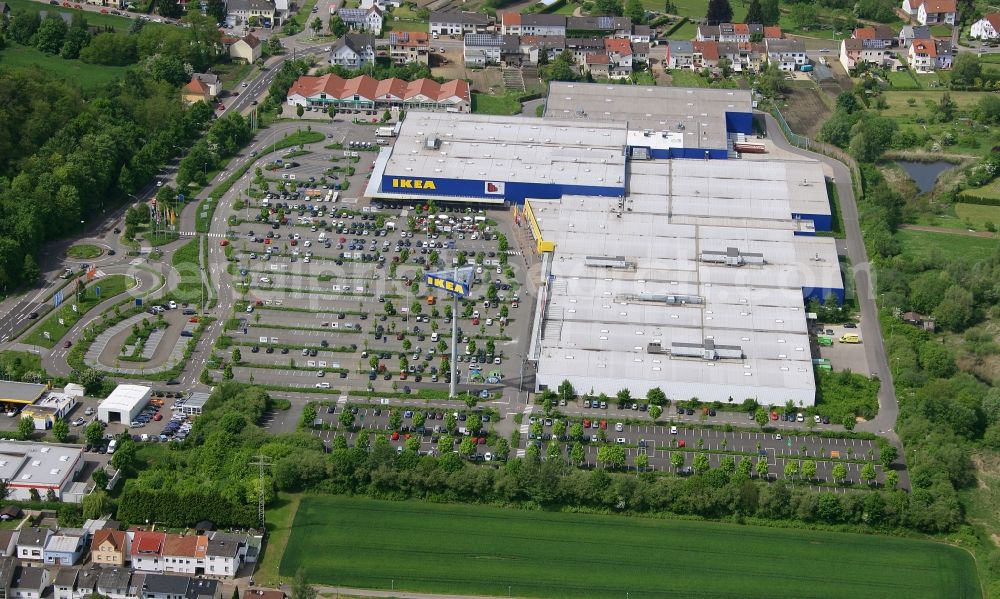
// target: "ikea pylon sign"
[[446, 285]]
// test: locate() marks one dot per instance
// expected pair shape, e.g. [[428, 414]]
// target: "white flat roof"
[[47, 464], [509, 149], [125, 398]]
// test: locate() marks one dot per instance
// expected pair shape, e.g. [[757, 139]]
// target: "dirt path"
[[947, 230]]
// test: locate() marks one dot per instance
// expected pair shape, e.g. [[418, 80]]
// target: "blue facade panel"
[[691, 153], [806, 233], [739, 122], [821, 293], [511, 192], [823, 222]]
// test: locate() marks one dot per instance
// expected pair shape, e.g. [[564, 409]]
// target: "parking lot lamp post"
[[454, 343]]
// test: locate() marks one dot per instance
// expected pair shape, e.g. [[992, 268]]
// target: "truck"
[[824, 340], [850, 338], [385, 132]]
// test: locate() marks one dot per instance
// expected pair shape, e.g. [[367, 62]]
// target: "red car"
[[680, 443], [586, 424], [604, 424], [104, 11], [224, 242], [395, 435], [774, 415], [475, 321], [482, 440], [157, 416]]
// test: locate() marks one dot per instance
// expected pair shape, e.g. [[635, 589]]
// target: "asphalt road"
[[885, 421]]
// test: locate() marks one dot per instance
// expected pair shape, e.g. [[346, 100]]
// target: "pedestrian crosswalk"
[[514, 252], [525, 427], [192, 234]]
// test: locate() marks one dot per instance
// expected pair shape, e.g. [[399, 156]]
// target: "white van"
[[434, 336]]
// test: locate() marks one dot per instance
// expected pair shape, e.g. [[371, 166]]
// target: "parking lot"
[[332, 288]]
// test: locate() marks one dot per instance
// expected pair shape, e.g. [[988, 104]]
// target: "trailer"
[[749, 148], [385, 132]]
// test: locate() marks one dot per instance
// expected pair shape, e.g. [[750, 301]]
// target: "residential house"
[[114, 582], [8, 542], [922, 56], [184, 554], [109, 547], [242, 11], [706, 55], [359, 19], [945, 53], [247, 48], [598, 26], [510, 51], [532, 46], [225, 554], [913, 32], [640, 51], [367, 94], [66, 547], [64, 583], [879, 36], [680, 55], [580, 48], [459, 23], [200, 588], [211, 81], [789, 55], [513, 23], [733, 32], [29, 583], [31, 543], [353, 51], [773, 33], [75, 583], [383, 5], [146, 550], [641, 34], [934, 12], [407, 47], [281, 11], [598, 65], [162, 586], [195, 91], [619, 53], [854, 52], [10, 512], [8, 568], [987, 28], [481, 49]]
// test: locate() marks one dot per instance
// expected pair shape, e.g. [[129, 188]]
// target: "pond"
[[924, 174]]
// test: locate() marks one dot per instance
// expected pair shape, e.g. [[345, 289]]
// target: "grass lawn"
[[902, 80], [506, 104], [685, 78], [87, 76], [941, 30], [697, 8], [121, 23], [953, 247], [406, 26], [84, 251], [990, 190], [232, 73], [978, 215], [685, 32], [186, 262], [569, 7], [110, 286], [926, 102], [466, 549], [279, 527]]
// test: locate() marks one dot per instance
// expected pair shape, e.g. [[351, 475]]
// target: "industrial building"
[[49, 408], [41, 466], [17, 394], [124, 404]]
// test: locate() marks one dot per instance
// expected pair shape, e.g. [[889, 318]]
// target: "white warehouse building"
[[124, 404], [44, 467]]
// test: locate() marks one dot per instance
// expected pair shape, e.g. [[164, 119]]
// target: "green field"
[[954, 247], [122, 23], [84, 251], [506, 104], [110, 286], [87, 76], [466, 549], [978, 215]]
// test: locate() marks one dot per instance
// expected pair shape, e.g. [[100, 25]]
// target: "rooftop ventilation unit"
[[732, 257], [617, 262], [706, 350], [432, 143]]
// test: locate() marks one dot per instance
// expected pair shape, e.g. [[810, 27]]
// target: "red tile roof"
[[251, 40], [193, 546], [938, 6], [115, 537], [741, 29], [368, 88], [412, 39], [709, 50], [598, 59], [924, 47], [618, 45], [864, 33], [772, 33], [196, 86], [147, 543], [510, 19], [994, 19]]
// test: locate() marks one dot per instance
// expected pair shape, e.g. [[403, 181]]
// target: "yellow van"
[[850, 338]]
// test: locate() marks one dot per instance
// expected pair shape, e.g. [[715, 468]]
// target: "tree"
[[97, 504], [642, 462], [450, 422], [868, 472], [125, 454], [965, 69], [227, 372], [891, 479], [337, 26], [804, 15], [770, 13], [60, 430], [791, 468], [946, 108], [94, 433], [299, 110], [677, 460], [474, 423], [51, 34], [744, 467], [346, 418], [23, 25], [612, 456], [395, 419], [100, 477], [301, 588], [839, 472], [762, 468], [809, 469], [772, 80], [316, 25], [956, 309], [635, 11], [577, 454], [561, 68], [719, 11], [701, 463], [216, 9], [888, 455], [237, 356], [755, 13], [655, 411], [656, 396], [25, 427], [761, 417], [467, 447], [169, 9], [607, 8], [576, 431], [501, 450]]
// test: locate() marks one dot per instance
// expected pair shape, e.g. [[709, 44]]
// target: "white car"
[[249, 309], [619, 427], [673, 430], [488, 456], [172, 304], [265, 280], [322, 385], [489, 322]]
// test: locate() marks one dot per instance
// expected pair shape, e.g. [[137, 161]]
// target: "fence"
[[826, 149]]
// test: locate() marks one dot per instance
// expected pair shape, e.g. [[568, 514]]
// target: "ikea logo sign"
[[446, 285], [413, 184]]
